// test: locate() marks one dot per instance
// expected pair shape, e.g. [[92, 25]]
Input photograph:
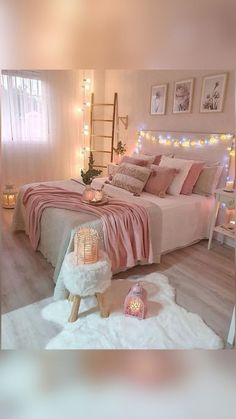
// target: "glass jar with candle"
[[9, 197], [88, 193], [98, 195], [229, 186]]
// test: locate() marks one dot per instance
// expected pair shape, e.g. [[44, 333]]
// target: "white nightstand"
[[229, 199], [112, 169]]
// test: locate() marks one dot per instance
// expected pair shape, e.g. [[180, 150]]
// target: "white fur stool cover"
[[87, 279]]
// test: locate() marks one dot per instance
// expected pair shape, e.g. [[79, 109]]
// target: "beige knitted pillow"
[[208, 180], [131, 177]]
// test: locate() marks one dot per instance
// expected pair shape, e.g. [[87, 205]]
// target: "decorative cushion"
[[192, 178], [160, 180], [159, 156], [149, 158], [208, 180], [134, 160], [131, 177], [183, 166], [157, 159]]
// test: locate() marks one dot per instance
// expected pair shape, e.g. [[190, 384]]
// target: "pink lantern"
[[136, 302]]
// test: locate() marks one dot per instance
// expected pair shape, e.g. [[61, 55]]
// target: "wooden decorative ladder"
[[108, 138]]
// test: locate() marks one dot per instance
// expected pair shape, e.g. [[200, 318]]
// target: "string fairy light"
[[188, 142], [83, 110]]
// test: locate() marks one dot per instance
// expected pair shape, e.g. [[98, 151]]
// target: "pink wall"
[[134, 90]]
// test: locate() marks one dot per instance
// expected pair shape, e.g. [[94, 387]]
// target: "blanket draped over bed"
[[126, 226]]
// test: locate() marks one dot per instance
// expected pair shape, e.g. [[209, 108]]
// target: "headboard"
[[210, 147]]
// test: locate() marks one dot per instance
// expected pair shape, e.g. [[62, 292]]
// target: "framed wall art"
[[183, 92], [213, 92], [158, 99]]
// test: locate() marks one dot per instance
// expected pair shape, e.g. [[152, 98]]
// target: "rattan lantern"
[[86, 246], [135, 302], [9, 197]]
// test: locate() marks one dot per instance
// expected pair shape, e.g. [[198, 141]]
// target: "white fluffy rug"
[[167, 325]]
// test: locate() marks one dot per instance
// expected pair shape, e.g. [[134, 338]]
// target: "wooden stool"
[[104, 312], [86, 280]]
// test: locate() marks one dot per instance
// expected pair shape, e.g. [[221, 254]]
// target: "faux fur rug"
[[167, 325]]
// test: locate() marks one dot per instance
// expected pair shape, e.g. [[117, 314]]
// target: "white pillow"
[[183, 166]]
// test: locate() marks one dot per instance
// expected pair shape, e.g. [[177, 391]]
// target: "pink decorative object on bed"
[[159, 180], [192, 178]]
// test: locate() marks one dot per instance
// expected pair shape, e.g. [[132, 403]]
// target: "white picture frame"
[[213, 93], [183, 96], [158, 99]]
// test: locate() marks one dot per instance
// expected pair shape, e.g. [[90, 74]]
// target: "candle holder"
[[91, 195], [135, 302], [9, 196], [86, 242]]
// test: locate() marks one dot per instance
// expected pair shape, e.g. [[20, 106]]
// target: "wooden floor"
[[204, 280]]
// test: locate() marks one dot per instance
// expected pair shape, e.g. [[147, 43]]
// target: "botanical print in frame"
[[213, 91], [158, 99], [183, 93]]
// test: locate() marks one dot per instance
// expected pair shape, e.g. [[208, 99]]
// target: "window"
[[24, 110]]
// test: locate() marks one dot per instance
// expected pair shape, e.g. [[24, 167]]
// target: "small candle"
[[98, 195], [229, 185]]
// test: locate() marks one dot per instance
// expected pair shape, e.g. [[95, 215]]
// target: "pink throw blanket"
[[126, 226]]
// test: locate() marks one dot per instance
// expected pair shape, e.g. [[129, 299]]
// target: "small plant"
[[91, 173], [120, 148]]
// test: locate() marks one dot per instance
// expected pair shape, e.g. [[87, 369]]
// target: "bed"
[[184, 220], [176, 221]]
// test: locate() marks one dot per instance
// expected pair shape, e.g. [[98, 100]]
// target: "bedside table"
[[112, 169], [229, 199]]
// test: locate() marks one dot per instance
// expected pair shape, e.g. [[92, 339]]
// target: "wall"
[[134, 91]]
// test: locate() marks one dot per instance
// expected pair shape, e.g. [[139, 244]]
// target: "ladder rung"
[[97, 165], [102, 104], [101, 136], [102, 120], [101, 151]]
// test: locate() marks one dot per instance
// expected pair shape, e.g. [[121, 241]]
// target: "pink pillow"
[[157, 159], [133, 160], [192, 178], [159, 180]]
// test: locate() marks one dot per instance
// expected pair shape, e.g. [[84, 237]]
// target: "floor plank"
[[204, 282]]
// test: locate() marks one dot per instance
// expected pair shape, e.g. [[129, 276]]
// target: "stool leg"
[[70, 297], [75, 309], [103, 310]]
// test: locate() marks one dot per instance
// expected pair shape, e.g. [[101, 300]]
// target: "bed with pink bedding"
[[175, 222]]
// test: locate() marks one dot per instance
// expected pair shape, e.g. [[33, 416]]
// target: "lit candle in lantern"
[[135, 302], [86, 246], [9, 197], [229, 185]]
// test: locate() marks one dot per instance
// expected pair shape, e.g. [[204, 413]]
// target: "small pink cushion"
[[159, 180], [157, 160], [192, 178], [134, 160]]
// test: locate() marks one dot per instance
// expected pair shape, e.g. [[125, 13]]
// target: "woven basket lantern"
[[86, 243]]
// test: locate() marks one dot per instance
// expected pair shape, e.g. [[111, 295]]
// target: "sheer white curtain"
[[40, 127]]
